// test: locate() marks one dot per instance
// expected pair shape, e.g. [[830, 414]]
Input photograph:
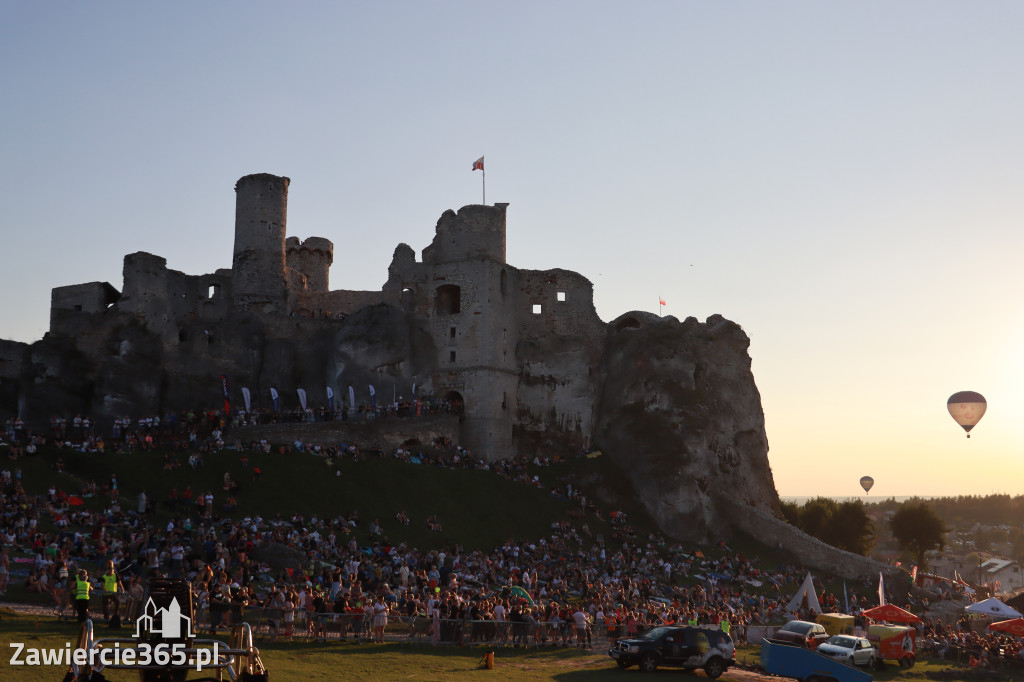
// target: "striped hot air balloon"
[[967, 408]]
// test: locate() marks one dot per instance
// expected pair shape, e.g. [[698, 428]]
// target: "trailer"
[[895, 642], [796, 662]]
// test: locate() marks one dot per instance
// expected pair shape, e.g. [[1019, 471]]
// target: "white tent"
[[806, 598], [993, 607]]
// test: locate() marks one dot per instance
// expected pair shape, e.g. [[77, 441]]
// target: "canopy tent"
[[805, 598], [1014, 626], [993, 607], [890, 613]]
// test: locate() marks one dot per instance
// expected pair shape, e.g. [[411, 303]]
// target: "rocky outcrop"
[[681, 414]]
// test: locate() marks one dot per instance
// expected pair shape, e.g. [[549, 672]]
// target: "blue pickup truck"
[[794, 661]]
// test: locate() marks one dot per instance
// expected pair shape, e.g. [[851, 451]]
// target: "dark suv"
[[806, 634], [677, 646]]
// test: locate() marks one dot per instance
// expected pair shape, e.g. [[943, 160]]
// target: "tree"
[[845, 525], [851, 529], [791, 512], [816, 517], [918, 530]]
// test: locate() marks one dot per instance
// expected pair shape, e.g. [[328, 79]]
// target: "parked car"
[[801, 632], [679, 647], [849, 649]]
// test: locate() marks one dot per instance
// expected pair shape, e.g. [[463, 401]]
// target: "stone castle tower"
[[258, 266]]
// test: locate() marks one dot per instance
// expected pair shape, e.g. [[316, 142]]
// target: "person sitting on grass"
[[33, 583]]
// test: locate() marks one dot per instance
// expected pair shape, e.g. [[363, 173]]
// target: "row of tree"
[[915, 525]]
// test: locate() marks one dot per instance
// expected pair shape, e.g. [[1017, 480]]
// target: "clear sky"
[[842, 179]]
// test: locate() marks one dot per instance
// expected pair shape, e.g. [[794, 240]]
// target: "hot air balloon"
[[866, 482], [967, 408]]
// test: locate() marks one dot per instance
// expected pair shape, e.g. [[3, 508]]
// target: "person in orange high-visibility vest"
[[610, 622]]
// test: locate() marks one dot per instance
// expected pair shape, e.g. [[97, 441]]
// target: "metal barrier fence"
[[282, 623], [274, 623]]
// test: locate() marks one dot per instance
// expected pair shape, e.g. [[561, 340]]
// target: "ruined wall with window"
[[561, 341]]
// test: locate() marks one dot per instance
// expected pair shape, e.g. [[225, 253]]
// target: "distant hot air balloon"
[[866, 482], [967, 408]]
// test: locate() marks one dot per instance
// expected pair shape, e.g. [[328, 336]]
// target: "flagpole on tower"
[[479, 165]]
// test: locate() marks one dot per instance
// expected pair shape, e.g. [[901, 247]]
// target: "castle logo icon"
[[168, 622]]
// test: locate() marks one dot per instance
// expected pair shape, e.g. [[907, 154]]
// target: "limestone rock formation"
[[680, 412]]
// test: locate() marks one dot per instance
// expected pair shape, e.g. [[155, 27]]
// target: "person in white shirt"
[[582, 631]]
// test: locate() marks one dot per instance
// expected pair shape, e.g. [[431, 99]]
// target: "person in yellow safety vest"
[[724, 625], [82, 589], [693, 620], [111, 586]]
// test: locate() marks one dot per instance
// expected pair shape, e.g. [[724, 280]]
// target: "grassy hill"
[[478, 509]]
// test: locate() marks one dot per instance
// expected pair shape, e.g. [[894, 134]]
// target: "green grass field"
[[300, 661]]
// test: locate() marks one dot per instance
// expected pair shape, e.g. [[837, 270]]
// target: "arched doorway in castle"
[[453, 403]]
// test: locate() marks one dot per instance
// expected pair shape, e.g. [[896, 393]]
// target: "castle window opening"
[[448, 299], [78, 308], [408, 298], [451, 356], [212, 291], [561, 296], [537, 309], [452, 332]]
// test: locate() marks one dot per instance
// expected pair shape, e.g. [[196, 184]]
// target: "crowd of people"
[[568, 588], [961, 642]]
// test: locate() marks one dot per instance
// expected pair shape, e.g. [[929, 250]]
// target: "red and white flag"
[[479, 164], [661, 301]]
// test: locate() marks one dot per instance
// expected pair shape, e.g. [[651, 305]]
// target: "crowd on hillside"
[[959, 641], [558, 589]]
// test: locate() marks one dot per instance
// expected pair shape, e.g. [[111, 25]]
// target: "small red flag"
[[478, 164], [661, 301]]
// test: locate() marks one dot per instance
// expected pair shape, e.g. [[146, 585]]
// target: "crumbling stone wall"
[[412, 434]]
